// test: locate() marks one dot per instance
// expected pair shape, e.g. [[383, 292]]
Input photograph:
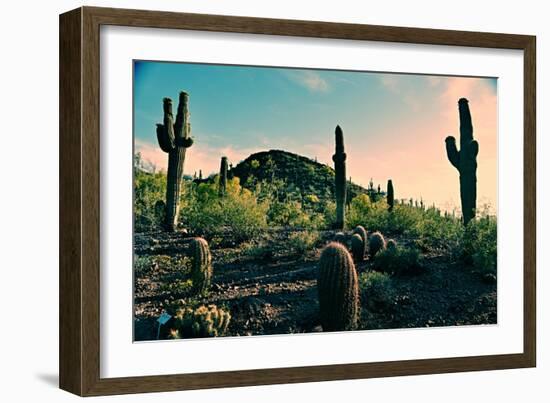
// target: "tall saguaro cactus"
[[174, 138], [465, 160], [339, 159], [223, 177], [390, 195]]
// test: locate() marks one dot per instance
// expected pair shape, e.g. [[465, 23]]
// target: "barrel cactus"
[[223, 177], [391, 244], [339, 159], [340, 237], [338, 289], [465, 161], [390, 196], [201, 265], [362, 232], [174, 139], [205, 321], [376, 243], [357, 248]]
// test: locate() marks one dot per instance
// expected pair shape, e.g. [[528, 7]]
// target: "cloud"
[[308, 79]]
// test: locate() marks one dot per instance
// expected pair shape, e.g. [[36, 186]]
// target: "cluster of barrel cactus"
[[205, 321], [174, 138], [201, 265], [338, 289]]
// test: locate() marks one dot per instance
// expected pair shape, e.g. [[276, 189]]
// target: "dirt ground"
[[276, 293]]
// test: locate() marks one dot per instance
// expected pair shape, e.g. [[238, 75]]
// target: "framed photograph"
[[249, 201]]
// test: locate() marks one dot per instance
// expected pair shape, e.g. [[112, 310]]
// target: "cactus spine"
[[465, 160], [389, 196], [174, 138], [223, 177], [339, 159], [338, 289], [201, 265]]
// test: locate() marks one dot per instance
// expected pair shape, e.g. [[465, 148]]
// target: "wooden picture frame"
[[79, 346]]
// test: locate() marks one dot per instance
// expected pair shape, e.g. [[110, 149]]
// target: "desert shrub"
[[480, 244], [303, 241], [204, 321], [398, 260], [376, 290], [205, 212], [177, 287], [291, 213], [149, 188], [438, 233], [257, 250]]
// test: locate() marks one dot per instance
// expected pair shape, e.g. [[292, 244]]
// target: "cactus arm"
[[181, 117], [169, 121], [466, 128], [474, 149], [452, 153], [182, 127], [163, 139]]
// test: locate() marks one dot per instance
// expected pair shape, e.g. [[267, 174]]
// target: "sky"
[[394, 124]]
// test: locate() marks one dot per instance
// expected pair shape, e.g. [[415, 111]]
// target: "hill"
[[296, 173]]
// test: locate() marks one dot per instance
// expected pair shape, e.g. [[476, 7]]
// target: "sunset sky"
[[394, 124]]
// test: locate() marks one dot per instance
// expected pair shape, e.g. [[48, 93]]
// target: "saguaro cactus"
[[389, 195], [174, 138], [339, 159], [223, 177], [465, 161], [338, 289]]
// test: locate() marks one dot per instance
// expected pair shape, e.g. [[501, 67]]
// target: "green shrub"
[[258, 250], [177, 287], [398, 260], [480, 244], [292, 214], [303, 241], [149, 188], [204, 212], [376, 290]]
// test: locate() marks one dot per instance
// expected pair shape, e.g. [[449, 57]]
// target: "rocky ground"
[[273, 290]]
